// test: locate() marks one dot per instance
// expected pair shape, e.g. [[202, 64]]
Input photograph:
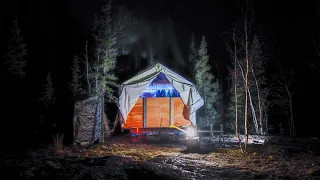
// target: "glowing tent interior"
[[158, 97]]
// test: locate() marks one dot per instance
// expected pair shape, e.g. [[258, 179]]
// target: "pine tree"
[[106, 34], [48, 93], [207, 85], [75, 85], [192, 55], [17, 51]]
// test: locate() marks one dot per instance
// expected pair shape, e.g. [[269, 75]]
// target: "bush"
[[58, 143]]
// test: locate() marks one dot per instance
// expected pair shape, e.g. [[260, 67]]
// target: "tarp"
[[131, 90], [87, 120]]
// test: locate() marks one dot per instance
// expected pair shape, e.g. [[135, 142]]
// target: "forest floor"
[[119, 158]]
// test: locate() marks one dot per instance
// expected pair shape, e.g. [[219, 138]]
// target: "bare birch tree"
[[283, 96], [250, 65], [246, 82], [234, 78], [256, 79]]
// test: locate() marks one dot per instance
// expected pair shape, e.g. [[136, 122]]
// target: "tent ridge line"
[[180, 81], [140, 72], [135, 82]]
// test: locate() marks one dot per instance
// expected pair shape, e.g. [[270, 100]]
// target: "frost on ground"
[[78, 168], [122, 159]]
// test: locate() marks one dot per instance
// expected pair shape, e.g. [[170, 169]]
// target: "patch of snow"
[[230, 138]]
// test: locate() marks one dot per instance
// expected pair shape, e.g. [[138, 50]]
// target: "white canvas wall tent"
[[131, 90]]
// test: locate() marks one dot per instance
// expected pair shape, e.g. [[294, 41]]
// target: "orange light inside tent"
[[158, 114], [135, 117]]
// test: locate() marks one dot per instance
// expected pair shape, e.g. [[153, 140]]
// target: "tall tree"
[[75, 85], [236, 106], [282, 94], [192, 55], [48, 93], [87, 66], [17, 52], [246, 80], [207, 85], [14, 65], [106, 33], [258, 86]]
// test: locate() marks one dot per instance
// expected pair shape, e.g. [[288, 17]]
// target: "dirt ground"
[[120, 158]]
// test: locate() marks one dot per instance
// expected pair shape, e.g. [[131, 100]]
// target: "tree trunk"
[[206, 110], [235, 91], [259, 103], [205, 104], [102, 115], [102, 97], [246, 84], [95, 118], [96, 77], [254, 117], [87, 67], [265, 115], [291, 124]]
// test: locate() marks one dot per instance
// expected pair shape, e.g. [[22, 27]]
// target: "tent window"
[[160, 87]]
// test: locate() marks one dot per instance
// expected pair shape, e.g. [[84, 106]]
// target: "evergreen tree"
[[17, 51], [48, 98], [75, 85], [104, 61], [106, 33], [192, 55], [207, 85]]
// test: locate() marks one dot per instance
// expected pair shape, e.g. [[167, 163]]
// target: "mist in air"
[[152, 40]]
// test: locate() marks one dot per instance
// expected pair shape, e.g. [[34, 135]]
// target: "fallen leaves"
[[210, 162]]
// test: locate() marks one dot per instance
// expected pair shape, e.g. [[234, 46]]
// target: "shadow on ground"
[[162, 160], [116, 167]]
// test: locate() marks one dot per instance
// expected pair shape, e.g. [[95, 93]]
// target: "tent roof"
[[154, 68]]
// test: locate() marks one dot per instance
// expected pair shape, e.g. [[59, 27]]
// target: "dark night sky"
[[56, 30]]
